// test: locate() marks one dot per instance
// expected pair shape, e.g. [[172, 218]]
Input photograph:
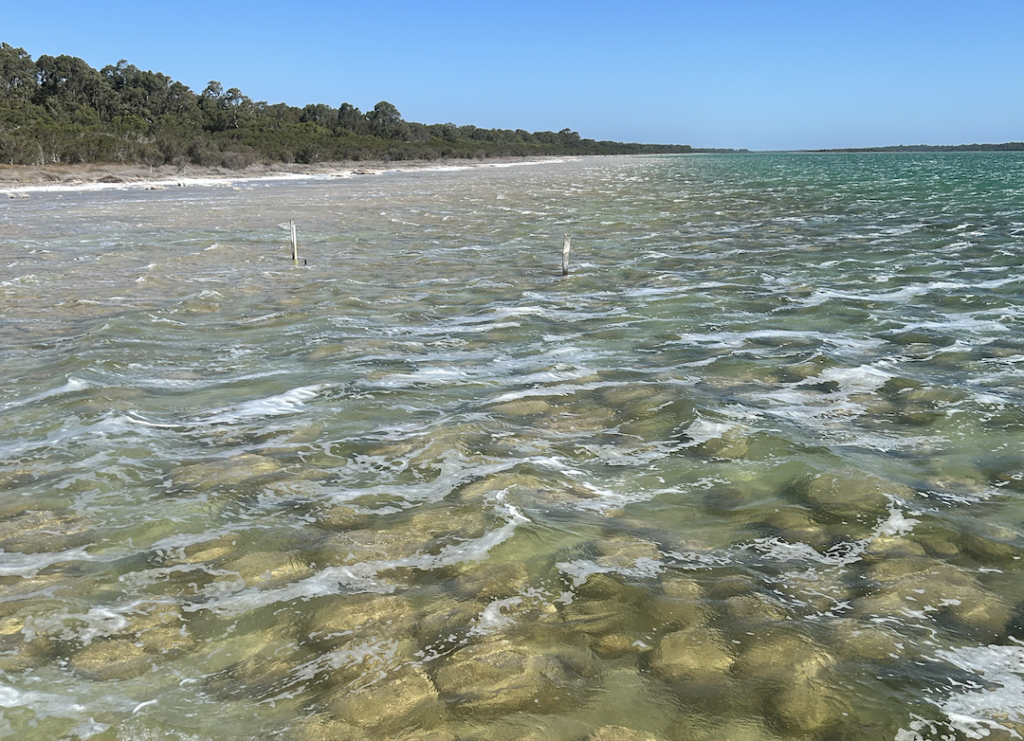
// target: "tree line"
[[1004, 147], [61, 110]]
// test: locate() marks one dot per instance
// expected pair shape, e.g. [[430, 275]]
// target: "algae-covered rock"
[[342, 517], [160, 629], [358, 546], [730, 445], [498, 676], [522, 488], [617, 644], [390, 703], [360, 617], [619, 733], [695, 654], [603, 604], [807, 708], [207, 551], [795, 524], [740, 729], [108, 659], [322, 727], [683, 603], [924, 585], [848, 495], [526, 407], [269, 569], [992, 544], [781, 657], [21, 647], [227, 472], [865, 640], [681, 586], [43, 531], [626, 552], [492, 581], [752, 608], [446, 619]]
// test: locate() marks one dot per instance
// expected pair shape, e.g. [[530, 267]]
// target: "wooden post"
[[565, 255], [295, 243]]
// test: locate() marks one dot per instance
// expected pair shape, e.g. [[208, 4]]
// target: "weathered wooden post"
[[565, 255], [295, 243]]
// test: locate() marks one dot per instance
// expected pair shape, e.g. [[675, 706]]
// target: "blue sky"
[[732, 73]]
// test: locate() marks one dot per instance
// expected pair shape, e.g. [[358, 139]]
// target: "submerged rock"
[[498, 676], [865, 640], [732, 444], [695, 654], [920, 585], [269, 569], [619, 733], [391, 703], [492, 581], [781, 657], [627, 552], [227, 472], [43, 532], [360, 617], [794, 524], [526, 407], [368, 545], [107, 659], [849, 495]]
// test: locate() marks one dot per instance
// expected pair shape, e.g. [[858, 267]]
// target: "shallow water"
[[753, 470]]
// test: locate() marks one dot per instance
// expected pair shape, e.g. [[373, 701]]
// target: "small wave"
[[73, 384], [272, 406]]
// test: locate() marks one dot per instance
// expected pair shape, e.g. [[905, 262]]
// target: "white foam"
[[72, 385], [272, 406], [492, 619], [701, 430], [30, 564], [843, 554], [978, 713], [50, 704]]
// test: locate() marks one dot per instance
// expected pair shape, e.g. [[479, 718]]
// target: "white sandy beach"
[[19, 181]]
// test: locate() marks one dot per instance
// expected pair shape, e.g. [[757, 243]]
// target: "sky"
[[747, 74]]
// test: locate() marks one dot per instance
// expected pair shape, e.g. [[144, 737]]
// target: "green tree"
[[386, 122], [19, 77], [351, 119]]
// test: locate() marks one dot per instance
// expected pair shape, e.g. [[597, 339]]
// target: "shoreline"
[[23, 179]]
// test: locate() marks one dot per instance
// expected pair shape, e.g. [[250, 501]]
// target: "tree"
[[386, 122], [19, 77]]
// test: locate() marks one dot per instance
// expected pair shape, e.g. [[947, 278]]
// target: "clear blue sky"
[[733, 73]]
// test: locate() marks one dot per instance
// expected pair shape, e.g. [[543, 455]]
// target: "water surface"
[[753, 470]]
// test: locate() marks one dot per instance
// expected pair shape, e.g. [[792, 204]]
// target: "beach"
[[22, 178]]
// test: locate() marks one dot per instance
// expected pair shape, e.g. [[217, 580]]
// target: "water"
[[753, 470]]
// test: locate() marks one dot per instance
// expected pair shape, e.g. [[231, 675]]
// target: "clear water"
[[753, 470]]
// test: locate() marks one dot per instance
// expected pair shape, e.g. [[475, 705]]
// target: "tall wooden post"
[[295, 243], [565, 255]]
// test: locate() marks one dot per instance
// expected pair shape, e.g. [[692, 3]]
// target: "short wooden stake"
[[565, 255]]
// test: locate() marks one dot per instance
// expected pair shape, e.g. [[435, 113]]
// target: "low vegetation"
[[61, 110]]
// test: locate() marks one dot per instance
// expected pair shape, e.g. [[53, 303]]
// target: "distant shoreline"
[[28, 178]]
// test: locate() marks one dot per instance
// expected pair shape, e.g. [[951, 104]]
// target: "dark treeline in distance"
[[1006, 147], [59, 109]]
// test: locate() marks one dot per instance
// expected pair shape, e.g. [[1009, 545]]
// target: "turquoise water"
[[752, 470]]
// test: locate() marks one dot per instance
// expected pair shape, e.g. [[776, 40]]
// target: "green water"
[[753, 470]]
